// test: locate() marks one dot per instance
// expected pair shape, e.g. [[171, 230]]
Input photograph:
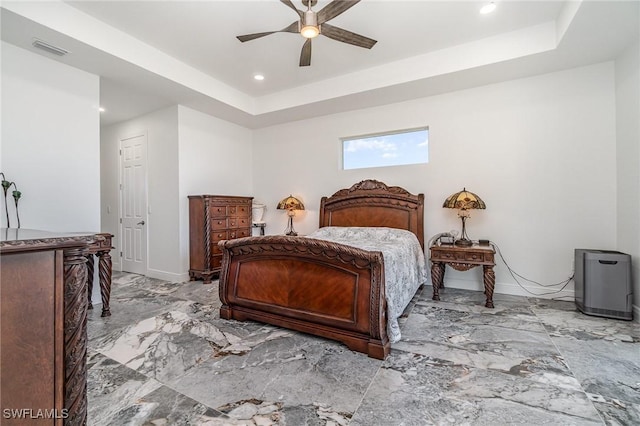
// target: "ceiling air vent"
[[49, 47]]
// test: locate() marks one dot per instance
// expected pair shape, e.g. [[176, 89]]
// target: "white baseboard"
[[511, 289], [115, 266], [516, 290], [168, 276], [155, 273]]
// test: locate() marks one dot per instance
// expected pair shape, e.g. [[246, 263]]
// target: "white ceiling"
[[151, 54]]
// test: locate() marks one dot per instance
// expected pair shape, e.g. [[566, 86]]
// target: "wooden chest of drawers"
[[213, 218]]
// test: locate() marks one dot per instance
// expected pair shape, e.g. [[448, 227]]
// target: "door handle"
[[140, 223]]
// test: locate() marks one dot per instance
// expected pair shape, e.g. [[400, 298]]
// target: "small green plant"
[[6, 185]]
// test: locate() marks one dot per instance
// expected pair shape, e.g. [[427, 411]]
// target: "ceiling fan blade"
[[305, 55], [335, 8], [289, 4], [249, 37], [347, 36], [293, 28]]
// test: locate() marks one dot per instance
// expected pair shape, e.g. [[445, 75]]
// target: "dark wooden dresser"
[[43, 321], [213, 218]]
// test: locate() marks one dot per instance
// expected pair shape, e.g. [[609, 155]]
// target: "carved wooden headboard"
[[373, 203]]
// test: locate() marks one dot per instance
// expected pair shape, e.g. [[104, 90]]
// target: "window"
[[386, 149]]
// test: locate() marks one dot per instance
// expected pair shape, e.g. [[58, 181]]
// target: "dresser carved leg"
[[437, 277], [104, 272], [75, 336], [489, 284], [207, 238], [207, 278], [90, 269]]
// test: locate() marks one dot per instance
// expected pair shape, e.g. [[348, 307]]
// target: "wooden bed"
[[321, 287]]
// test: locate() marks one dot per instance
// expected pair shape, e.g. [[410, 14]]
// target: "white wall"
[[628, 160], [50, 142], [540, 151], [163, 226], [215, 158], [188, 153], [566, 143]]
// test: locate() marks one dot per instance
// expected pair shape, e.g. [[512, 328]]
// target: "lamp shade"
[[464, 200], [290, 203]]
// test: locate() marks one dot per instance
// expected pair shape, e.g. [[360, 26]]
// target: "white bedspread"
[[404, 263]]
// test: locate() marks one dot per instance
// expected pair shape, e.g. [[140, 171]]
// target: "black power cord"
[[516, 275], [564, 283]]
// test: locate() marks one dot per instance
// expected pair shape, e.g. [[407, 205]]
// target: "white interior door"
[[133, 190]]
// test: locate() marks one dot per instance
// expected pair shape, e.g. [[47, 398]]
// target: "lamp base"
[[290, 231], [463, 242]]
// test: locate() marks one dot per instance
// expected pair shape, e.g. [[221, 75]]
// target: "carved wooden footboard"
[[318, 287]]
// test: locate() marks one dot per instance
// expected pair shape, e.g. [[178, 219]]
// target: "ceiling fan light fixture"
[[309, 31], [310, 27]]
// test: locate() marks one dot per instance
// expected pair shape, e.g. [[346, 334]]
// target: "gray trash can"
[[603, 283]]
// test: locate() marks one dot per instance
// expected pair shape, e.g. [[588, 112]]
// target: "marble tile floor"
[[166, 358]]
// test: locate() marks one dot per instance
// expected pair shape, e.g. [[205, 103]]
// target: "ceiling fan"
[[311, 24]]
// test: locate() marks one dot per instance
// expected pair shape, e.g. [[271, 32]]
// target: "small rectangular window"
[[386, 149]]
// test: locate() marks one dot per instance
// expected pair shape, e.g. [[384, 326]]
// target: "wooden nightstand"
[[463, 259]]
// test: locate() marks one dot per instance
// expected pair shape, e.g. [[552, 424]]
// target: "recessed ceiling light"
[[101, 109], [488, 8], [258, 77]]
